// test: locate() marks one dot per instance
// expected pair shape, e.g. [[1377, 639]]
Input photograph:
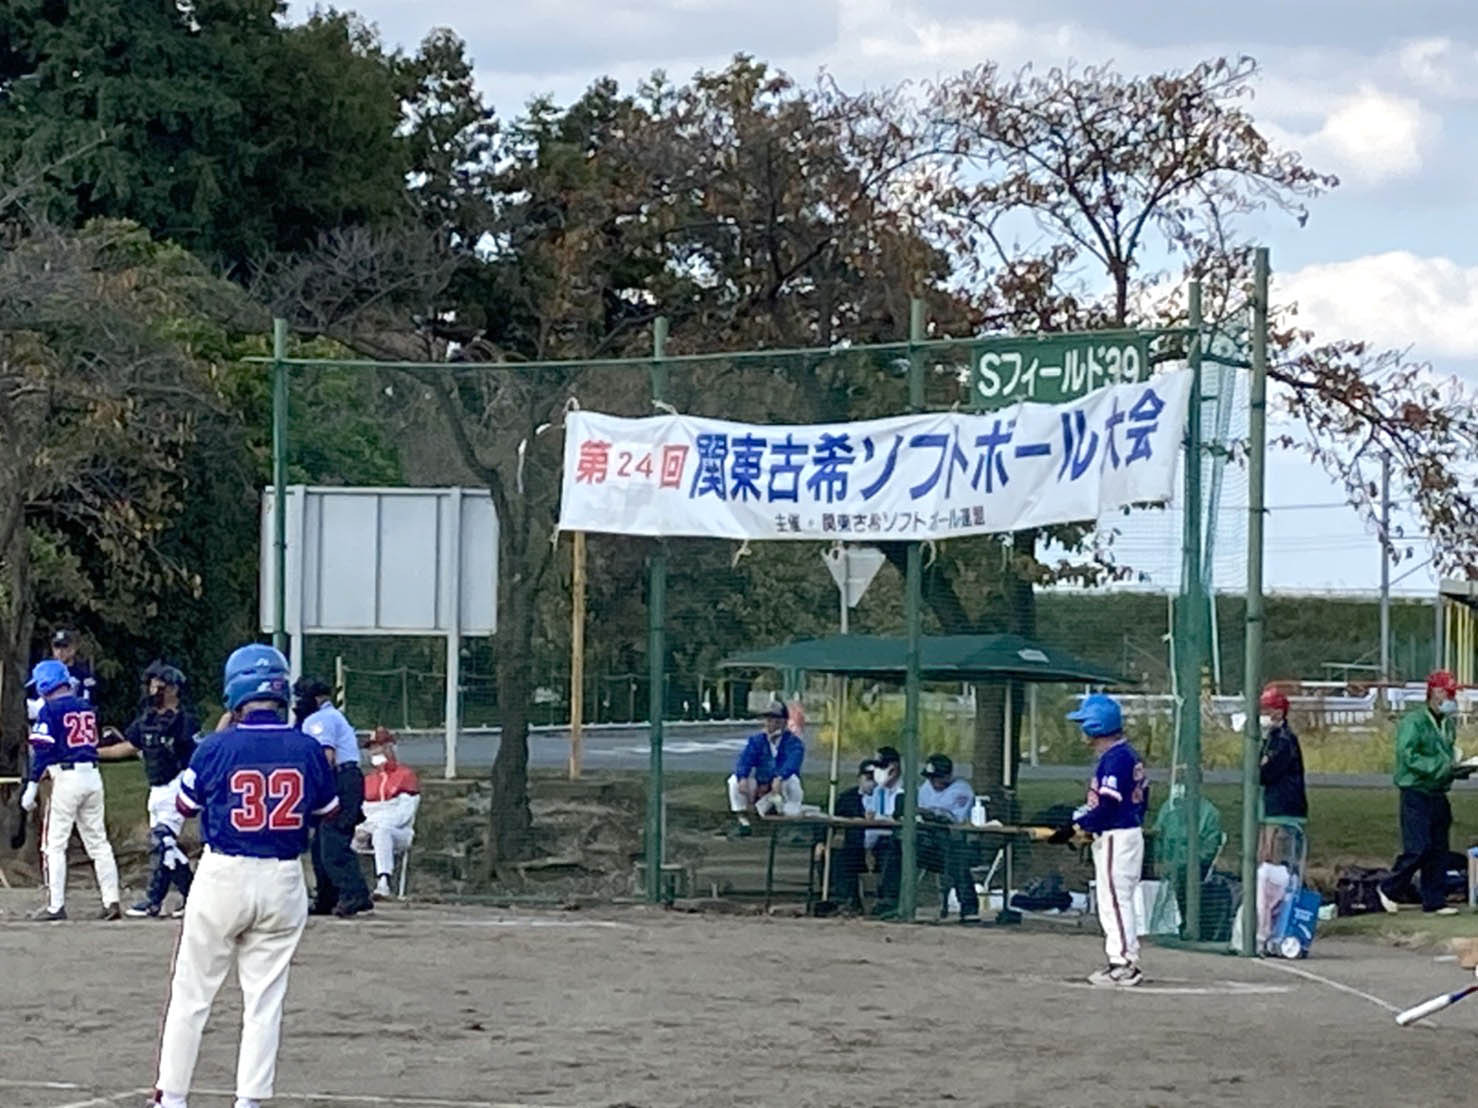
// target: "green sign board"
[[1052, 369]]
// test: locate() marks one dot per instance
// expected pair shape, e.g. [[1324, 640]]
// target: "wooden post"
[[577, 653]]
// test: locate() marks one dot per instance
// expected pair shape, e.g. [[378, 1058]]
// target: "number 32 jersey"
[[258, 787]]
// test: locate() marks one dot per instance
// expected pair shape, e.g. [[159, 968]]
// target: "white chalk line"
[[313, 1098], [1330, 983]]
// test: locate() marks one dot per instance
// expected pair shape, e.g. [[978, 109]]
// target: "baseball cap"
[[1444, 680], [776, 710], [62, 637], [1274, 697], [887, 756], [938, 765], [1099, 716]]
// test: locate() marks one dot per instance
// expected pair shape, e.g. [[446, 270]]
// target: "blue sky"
[[1381, 94]]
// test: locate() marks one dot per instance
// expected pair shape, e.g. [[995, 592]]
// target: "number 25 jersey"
[[65, 732], [258, 787]]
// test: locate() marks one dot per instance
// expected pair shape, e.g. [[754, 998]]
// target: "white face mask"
[[1448, 708], [1265, 720], [880, 774], [378, 759]]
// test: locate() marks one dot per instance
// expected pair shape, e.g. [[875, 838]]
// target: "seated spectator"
[[850, 859], [392, 796], [767, 774], [950, 799], [882, 803]]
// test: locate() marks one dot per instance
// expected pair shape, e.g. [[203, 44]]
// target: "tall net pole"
[[279, 483], [656, 652], [913, 617], [1193, 618], [1253, 667]]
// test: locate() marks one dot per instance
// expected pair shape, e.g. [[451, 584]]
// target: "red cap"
[[1442, 679], [1272, 697]]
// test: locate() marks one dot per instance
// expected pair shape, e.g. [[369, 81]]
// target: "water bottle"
[[977, 812]]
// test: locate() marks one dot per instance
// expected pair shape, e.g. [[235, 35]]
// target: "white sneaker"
[[1126, 977], [1102, 977], [382, 889], [1386, 902], [1447, 911]]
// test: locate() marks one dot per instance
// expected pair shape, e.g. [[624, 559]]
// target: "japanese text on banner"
[[910, 477]]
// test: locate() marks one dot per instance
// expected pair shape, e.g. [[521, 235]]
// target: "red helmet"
[[1273, 697], [1442, 679]]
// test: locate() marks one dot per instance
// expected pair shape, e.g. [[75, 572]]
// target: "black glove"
[[1063, 834]]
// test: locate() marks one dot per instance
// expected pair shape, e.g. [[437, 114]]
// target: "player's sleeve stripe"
[[184, 805], [1104, 790], [40, 738], [327, 808]]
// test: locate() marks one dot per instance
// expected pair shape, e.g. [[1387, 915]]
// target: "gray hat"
[[776, 710]]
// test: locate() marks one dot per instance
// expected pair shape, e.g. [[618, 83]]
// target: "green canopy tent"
[[952, 658]]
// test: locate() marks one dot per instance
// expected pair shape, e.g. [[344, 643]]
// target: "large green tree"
[[216, 124]]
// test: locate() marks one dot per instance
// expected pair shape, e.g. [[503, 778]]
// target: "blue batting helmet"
[[50, 675], [256, 672], [1099, 716]]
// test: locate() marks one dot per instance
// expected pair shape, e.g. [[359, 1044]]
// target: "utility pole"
[[1385, 573]]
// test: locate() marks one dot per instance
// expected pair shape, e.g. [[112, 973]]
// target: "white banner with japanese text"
[[937, 475]]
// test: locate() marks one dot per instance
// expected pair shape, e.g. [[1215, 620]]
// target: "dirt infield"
[[462, 1008]]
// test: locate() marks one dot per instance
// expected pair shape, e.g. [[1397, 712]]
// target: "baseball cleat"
[[46, 915], [111, 912], [1386, 902], [142, 910], [1102, 977], [177, 913], [1449, 910], [382, 889]]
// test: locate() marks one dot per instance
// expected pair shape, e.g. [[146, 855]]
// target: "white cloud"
[[1395, 299], [1440, 66], [1368, 137]]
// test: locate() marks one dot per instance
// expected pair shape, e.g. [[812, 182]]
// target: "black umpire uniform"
[[340, 885]]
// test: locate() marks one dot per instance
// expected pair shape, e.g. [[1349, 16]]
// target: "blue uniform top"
[[1118, 793], [65, 732], [768, 762], [330, 729], [257, 786]]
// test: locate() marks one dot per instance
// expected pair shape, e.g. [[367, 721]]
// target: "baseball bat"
[[1436, 1004]]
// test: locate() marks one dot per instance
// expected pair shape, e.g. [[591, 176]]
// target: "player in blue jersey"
[[64, 748], [1114, 816], [258, 786]]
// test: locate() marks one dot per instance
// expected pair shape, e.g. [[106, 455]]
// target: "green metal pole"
[[913, 618], [656, 653], [279, 482], [1192, 652], [1253, 668]]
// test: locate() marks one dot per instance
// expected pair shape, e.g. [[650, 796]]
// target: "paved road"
[[710, 748]]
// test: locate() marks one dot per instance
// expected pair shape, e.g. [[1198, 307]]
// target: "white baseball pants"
[[77, 801], [1118, 858], [249, 912], [161, 806], [386, 841], [788, 802]]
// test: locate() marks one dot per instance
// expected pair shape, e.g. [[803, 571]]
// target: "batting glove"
[[28, 798]]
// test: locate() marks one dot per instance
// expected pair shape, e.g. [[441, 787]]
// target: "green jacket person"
[[1425, 770]]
